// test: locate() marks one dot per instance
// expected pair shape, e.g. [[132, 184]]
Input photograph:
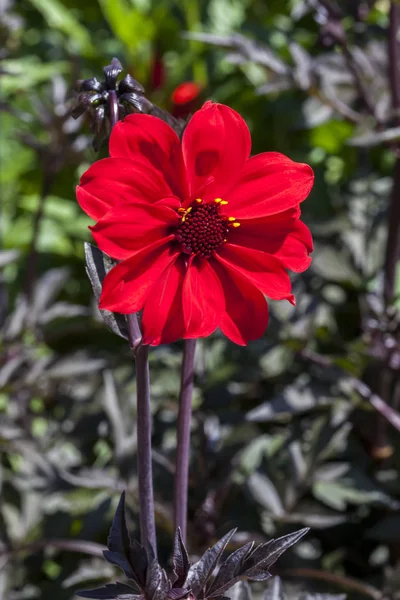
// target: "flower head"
[[203, 232], [93, 98]]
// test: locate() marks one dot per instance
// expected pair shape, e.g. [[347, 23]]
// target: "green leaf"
[[265, 493], [130, 25], [334, 265], [58, 16], [331, 136], [25, 73], [339, 494]]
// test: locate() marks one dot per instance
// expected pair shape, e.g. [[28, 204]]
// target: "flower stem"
[[382, 446], [144, 461], [183, 435], [143, 419], [393, 240]]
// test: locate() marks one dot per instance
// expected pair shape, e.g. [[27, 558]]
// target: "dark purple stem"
[[393, 236], [143, 420], [365, 392], [393, 51], [144, 459], [183, 437], [393, 239], [337, 31]]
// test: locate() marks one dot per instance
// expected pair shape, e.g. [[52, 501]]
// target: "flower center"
[[202, 229]]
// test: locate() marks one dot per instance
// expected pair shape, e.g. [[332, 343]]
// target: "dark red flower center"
[[202, 229]]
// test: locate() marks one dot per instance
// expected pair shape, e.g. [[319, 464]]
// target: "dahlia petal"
[[113, 181], [281, 235], [263, 270], [216, 144], [202, 299], [131, 227], [94, 206], [153, 142], [294, 252], [127, 286], [170, 201], [162, 319], [246, 311], [270, 183]]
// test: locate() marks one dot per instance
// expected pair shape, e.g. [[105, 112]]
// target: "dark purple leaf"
[[267, 554], [129, 84], [97, 266], [178, 593], [119, 539], [200, 572], [117, 559], [112, 591], [128, 555], [90, 99], [138, 559], [139, 103], [253, 565], [180, 560], [91, 85], [157, 583], [111, 73], [232, 566]]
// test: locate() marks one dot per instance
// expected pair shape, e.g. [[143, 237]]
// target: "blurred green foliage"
[[281, 439]]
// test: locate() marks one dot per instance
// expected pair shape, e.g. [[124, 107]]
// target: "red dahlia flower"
[[203, 232]]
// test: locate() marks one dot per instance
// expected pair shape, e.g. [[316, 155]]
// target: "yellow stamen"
[[218, 200], [231, 219], [199, 200], [224, 202], [236, 224], [184, 212]]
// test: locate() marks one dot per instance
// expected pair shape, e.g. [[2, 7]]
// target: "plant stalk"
[[144, 459], [183, 437], [382, 446], [143, 420], [393, 239]]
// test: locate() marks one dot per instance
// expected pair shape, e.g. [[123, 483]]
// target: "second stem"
[[183, 437], [144, 457]]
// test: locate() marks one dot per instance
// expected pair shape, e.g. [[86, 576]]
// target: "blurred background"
[[298, 429]]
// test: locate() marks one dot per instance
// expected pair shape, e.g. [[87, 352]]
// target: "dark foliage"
[[299, 429], [199, 580]]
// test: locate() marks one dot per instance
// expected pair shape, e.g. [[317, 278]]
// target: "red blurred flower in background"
[[185, 99], [185, 92], [203, 232]]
